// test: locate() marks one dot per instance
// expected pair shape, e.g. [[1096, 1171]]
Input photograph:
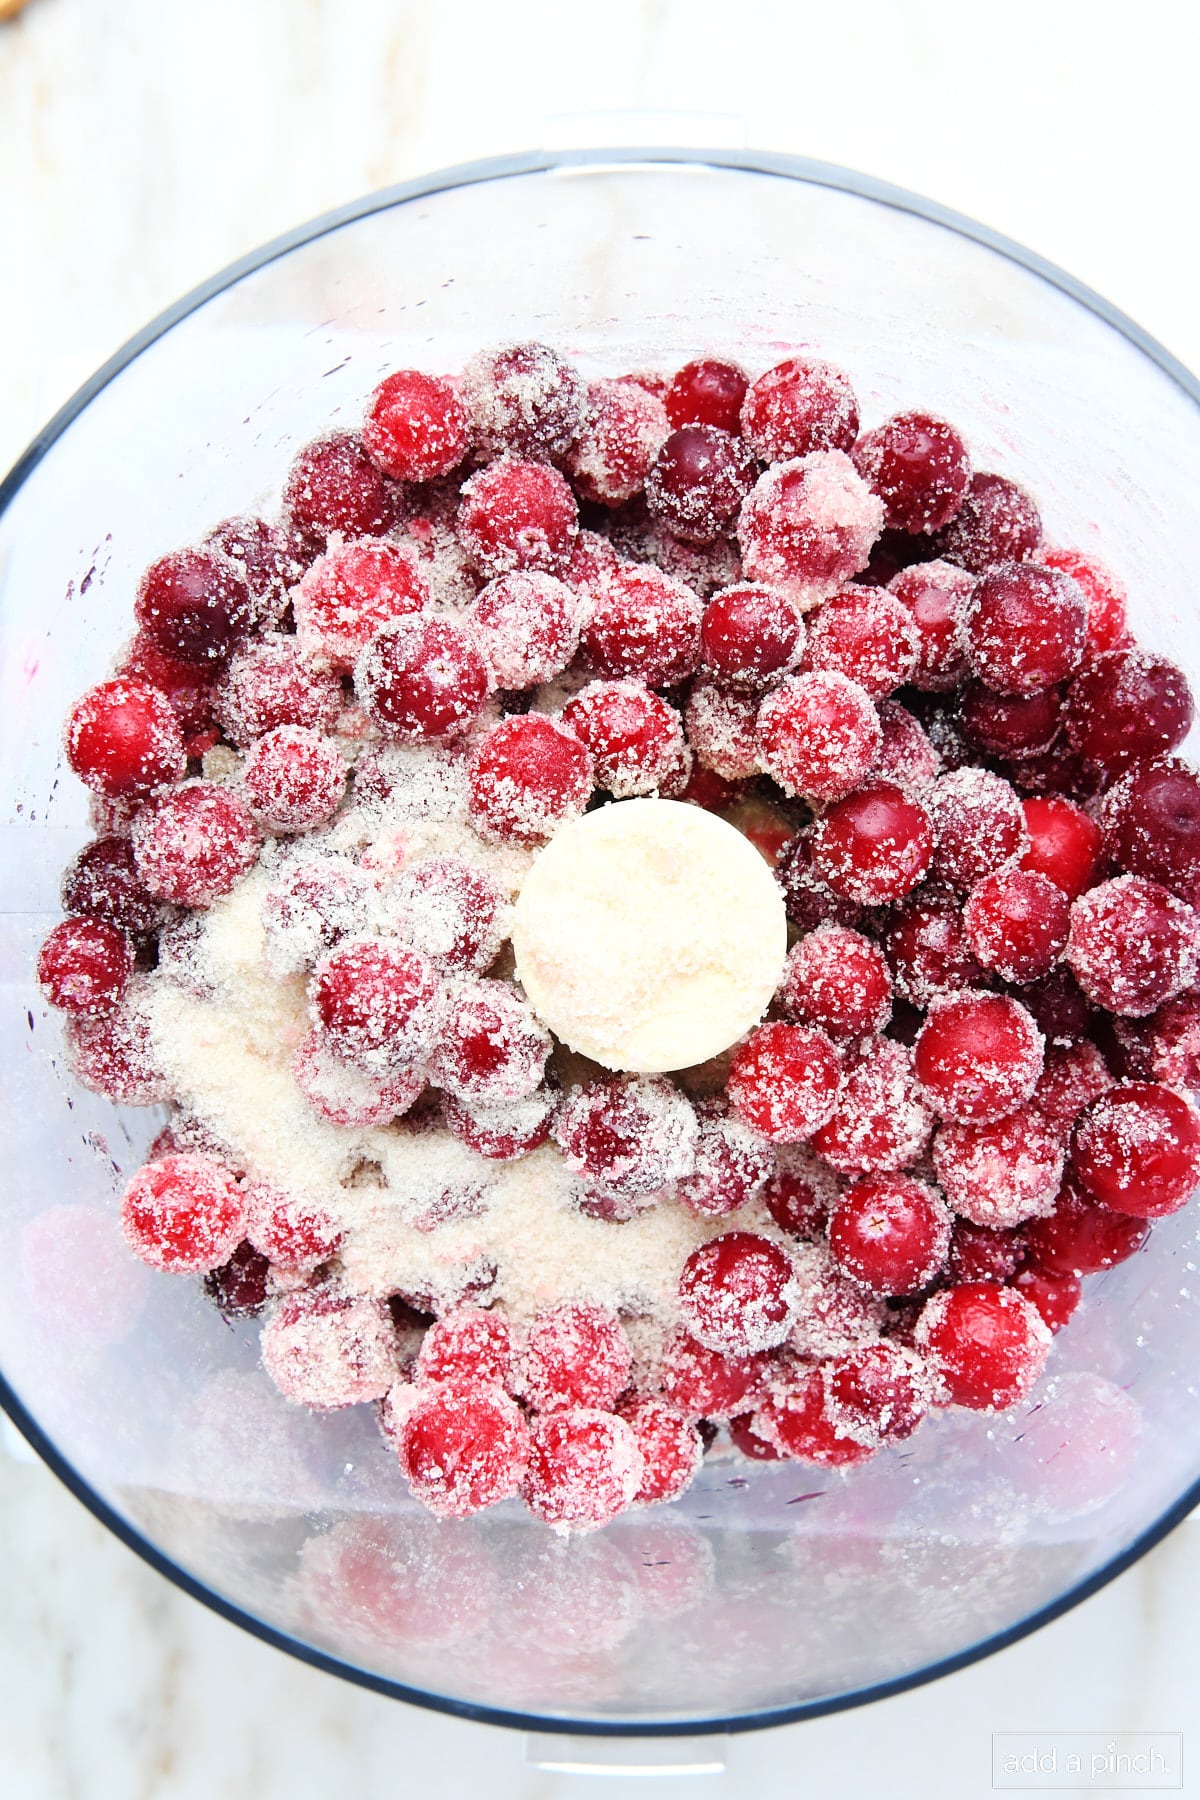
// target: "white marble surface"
[[144, 143]]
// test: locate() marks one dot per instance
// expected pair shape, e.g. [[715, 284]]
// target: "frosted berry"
[[879, 1394], [697, 482], [490, 1048], [502, 1133], [986, 1345], [629, 1136], [422, 678], [517, 515], [1074, 1076], [351, 593], [890, 1232], [268, 683], [573, 1354], [527, 775], [1175, 1047], [867, 634], [642, 624], [346, 1094], [819, 735], [103, 883], [798, 406], [809, 902], [749, 634], [706, 1383], [238, 1289], [1024, 627], [451, 911], [270, 559], [1064, 843], [708, 391], [416, 427], [732, 1162], [978, 826], [799, 1193], [183, 1214], [926, 946], [738, 1294], [795, 1418], [294, 779], [463, 1448], [918, 465], [1137, 1150], [621, 432], [291, 1230], [585, 1467], [112, 1054], [1017, 923], [326, 1349], [1081, 1237], [722, 729], [194, 605], [907, 757], [469, 1346], [527, 625], [839, 981], [333, 485], [671, 1447], [592, 557], [193, 843], [312, 901], [881, 1121], [1105, 596], [1054, 1296], [84, 965], [996, 522], [635, 738], [808, 526], [1009, 725], [123, 738], [935, 595], [525, 398], [784, 1080], [1002, 1173], [874, 846], [1133, 945], [977, 1056], [1128, 704], [1152, 824], [376, 1003], [983, 1253]]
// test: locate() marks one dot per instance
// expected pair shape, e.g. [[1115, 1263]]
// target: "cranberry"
[[194, 606], [1080, 1237], [881, 1122], [738, 1294], [84, 965], [795, 1418], [585, 1467], [193, 843], [879, 1394], [629, 1136], [269, 683], [502, 1133], [525, 398], [798, 406], [416, 426], [671, 1448], [313, 900], [918, 465], [808, 526], [890, 1232], [375, 1003], [112, 1054], [294, 779], [838, 980], [809, 902], [978, 826], [351, 593], [707, 391], [706, 1383], [463, 1448], [333, 485], [528, 774], [187, 686], [935, 595], [977, 1056], [721, 724], [985, 1344], [1064, 843], [103, 883], [238, 1289], [819, 735], [615, 449], [867, 634], [490, 1048], [1128, 704], [749, 634], [1060, 1007], [644, 625], [451, 911], [293, 1231], [697, 482], [270, 559], [517, 515], [1137, 1150], [183, 1214], [784, 1080], [636, 739], [1175, 1050], [996, 522], [573, 1355], [325, 1348], [345, 1094], [1075, 1074], [1133, 945], [592, 558], [422, 678], [1009, 725], [907, 757], [1054, 1296], [468, 1346], [875, 846], [527, 625], [983, 1253], [123, 738], [926, 946], [732, 1163], [1105, 596], [1017, 923], [1152, 825], [1002, 1173], [1058, 771], [1024, 627]]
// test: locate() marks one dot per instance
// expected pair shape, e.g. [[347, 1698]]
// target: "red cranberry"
[[1001, 1173], [907, 757], [422, 678], [697, 482], [705, 1383], [879, 1394], [622, 430], [112, 1054], [807, 527], [103, 883], [875, 846], [1009, 725], [451, 911], [345, 1094], [980, 1253], [238, 1289], [1105, 596], [977, 1056], [978, 826], [986, 1344], [1152, 825], [1064, 843], [194, 605], [784, 1080], [1017, 923], [193, 843], [269, 683], [1025, 627], [738, 1293], [84, 965], [636, 739], [294, 779], [1080, 1237], [1060, 1007], [1058, 771], [1054, 1296], [890, 1233], [795, 1418], [585, 1467], [592, 558], [749, 634], [800, 1192], [732, 1164], [183, 1214], [375, 1003], [526, 399], [721, 724], [464, 1448], [187, 686], [527, 775], [819, 735], [1175, 1049], [313, 900], [881, 1122], [798, 406], [628, 1136], [351, 593], [416, 426], [1075, 1075], [1128, 704], [707, 391], [501, 1133], [935, 594], [808, 901], [517, 515], [643, 625], [838, 980], [926, 946], [867, 634], [468, 1346], [333, 485], [325, 1348], [671, 1449], [527, 625], [123, 739], [270, 559], [573, 1354], [996, 522], [1137, 1150], [490, 1048], [292, 1231], [1133, 945], [918, 465]]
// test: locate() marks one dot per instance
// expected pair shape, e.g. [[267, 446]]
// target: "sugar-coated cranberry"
[[1017, 923], [642, 624], [527, 775], [573, 1354], [1106, 599], [1175, 1043], [986, 1344], [907, 757], [238, 1289], [422, 678], [183, 1214], [194, 605], [294, 779], [1009, 725], [1133, 945], [984, 1253], [350, 593], [1064, 843], [996, 522], [112, 1054], [293, 1231], [807, 526], [268, 683], [721, 723], [585, 1467], [838, 980], [784, 1080], [750, 633], [525, 398], [732, 1163], [333, 485], [809, 902], [490, 1048], [1054, 1296], [708, 1384], [376, 1003], [1002, 1173], [672, 1449], [635, 738], [978, 826], [1074, 1076], [707, 391], [463, 1448], [867, 634], [881, 1121], [189, 687], [879, 1394], [103, 883], [1137, 1150], [270, 559], [1081, 1237], [312, 901], [1024, 627], [192, 843], [819, 735], [795, 1417], [890, 1232], [738, 1293], [84, 965], [697, 482], [798, 406], [621, 433], [918, 465], [977, 1056], [527, 625], [925, 942], [469, 1345], [325, 1348], [345, 1094], [935, 595], [517, 515], [629, 1136], [502, 1133], [451, 911], [1058, 770], [123, 738], [874, 846], [1152, 824], [592, 557], [1128, 704], [416, 427]]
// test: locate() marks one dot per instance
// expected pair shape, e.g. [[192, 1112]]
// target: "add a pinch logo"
[[1087, 1761]]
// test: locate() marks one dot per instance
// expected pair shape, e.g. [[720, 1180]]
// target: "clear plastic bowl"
[[770, 1591]]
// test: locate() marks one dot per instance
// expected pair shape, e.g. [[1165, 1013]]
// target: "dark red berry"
[[996, 522], [333, 485], [918, 465]]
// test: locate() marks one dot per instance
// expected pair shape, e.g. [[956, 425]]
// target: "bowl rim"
[[796, 168]]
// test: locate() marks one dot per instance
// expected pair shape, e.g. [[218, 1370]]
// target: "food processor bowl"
[[770, 1591]]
